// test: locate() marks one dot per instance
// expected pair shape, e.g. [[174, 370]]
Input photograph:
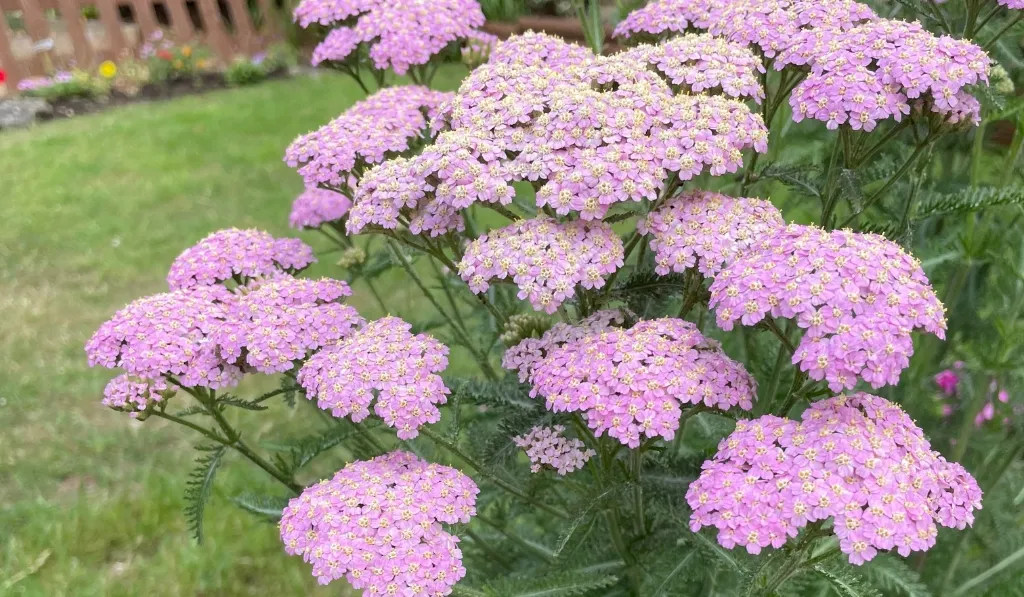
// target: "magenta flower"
[[545, 259], [711, 227], [314, 207], [279, 321], [238, 255], [399, 35], [382, 360], [947, 381], [858, 296], [131, 395], [167, 335], [387, 123], [631, 383], [857, 459], [548, 446], [378, 524]]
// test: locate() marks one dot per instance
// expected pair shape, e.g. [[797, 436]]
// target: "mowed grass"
[[92, 212]]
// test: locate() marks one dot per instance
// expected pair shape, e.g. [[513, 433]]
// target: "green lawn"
[[92, 212]]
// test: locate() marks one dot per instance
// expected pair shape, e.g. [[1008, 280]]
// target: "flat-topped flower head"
[[378, 524], [858, 296], [276, 322], [545, 259], [702, 63], [878, 69], [315, 207], [707, 230], [528, 352], [386, 124], [858, 460], [663, 19], [133, 395], [238, 255], [548, 447], [399, 35], [168, 334], [588, 132], [385, 361], [631, 383]]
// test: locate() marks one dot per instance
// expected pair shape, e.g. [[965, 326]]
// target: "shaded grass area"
[[93, 211]]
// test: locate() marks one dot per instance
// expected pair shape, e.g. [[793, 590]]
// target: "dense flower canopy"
[[399, 34], [548, 446], [707, 230], [858, 296], [857, 459], [588, 132], [280, 320], [315, 207], [631, 382], [545, 259], [168, 334], [385, 360], [378, 524], [238, 255], [381, 126]]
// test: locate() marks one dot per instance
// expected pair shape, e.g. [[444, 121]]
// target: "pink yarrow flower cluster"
[[857, 459], [631, 383], [238, 255], [378, 524], [167, 335], [878, 70], [545, 259], [707, 230], [548, 446], [772, 25], [385, 360], [279, 321], [315, 207], [858, 296], [389, 122], [399, 35], [702, 63], [133, 395], [586, 131]]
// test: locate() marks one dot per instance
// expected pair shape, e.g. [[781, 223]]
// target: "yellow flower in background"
[[203, 64], [108, 69], [186, 51]]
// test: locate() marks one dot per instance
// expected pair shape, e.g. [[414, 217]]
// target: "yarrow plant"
[[594, 332]]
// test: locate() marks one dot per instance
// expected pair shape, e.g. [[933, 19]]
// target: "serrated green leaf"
[[235, 401], [568, 584], [970, 200], [200, 485], [845, 582], [192, 410], [894, 577]]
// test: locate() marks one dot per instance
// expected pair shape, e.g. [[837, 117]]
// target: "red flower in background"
[[164, 55], [3, 76]]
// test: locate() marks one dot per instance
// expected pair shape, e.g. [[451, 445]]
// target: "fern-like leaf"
[[268, 507], [199, 487], [845, 582], [192, 410], [230, 400], [971, 200], [565, 584], [892, 577]]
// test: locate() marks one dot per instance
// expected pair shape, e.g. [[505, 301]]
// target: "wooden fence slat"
[[14, 70], [111, 19], [213, 30], [244, 33], [71, 14], [38, 30], [181, 22], [145, 17], [270, 25]]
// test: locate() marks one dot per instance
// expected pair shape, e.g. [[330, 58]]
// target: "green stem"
[[799, 377], [888, 184], [481, 469], [977, 154], [636, 464], [1003, 564], [545, 555], [1000, 33]]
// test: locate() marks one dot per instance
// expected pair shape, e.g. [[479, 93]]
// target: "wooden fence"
[[54, 32]]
